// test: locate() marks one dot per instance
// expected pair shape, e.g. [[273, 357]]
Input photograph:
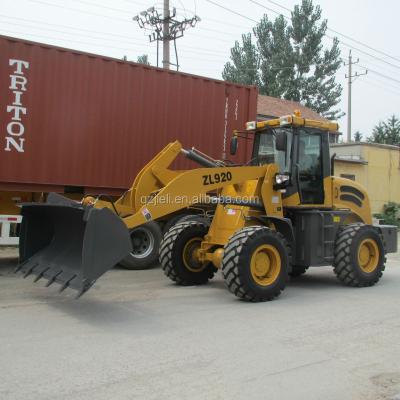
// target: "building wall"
[[380, 177]]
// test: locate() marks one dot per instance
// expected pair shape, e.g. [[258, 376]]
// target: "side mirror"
[[234, 145], [281, 141]]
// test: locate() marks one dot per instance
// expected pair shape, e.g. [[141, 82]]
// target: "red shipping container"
[[73, 119]]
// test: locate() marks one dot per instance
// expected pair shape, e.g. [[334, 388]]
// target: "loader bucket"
[[65, 242]]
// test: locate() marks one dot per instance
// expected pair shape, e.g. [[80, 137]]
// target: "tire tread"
[[230, 263]]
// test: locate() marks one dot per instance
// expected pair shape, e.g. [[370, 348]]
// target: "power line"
[[379, 66], [197, 51], [339, 33], [69, 40], [232, 11], [108, 16], [58, 25], [120, 19], [219, 22], [211, 30], [139, 44], [384, 83], [202, 50], [330, 37], [41, 23], [196, 54], [286, 17], [125, 11], [365, 45], [80, 11], [368, 54], [74, 34], [367, 65], [343, 43], [379, 85], [135, 2], [121, 10], [382, 75], [270, 9]]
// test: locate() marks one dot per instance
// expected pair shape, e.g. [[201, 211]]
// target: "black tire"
[[298, 270], [194, 217], [173, 257], [347, 265], [146, 241], [171, 222], [184, 218], [236, 264]]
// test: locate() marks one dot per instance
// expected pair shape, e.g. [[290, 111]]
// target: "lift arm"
[[191, 187]]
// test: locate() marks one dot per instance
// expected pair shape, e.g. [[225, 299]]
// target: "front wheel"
[[178, 254], [255, 264], [359, 256], [146, 241]]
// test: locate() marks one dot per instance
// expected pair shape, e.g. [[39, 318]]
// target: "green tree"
[[386, 132], [143, 59], [245, 63], [358, 136], [289, 60]]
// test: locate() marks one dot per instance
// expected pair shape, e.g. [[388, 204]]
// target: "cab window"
[[265, 150]]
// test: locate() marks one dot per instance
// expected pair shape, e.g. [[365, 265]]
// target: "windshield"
[[265, 150]]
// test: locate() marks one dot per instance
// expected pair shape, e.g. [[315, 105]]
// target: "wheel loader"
[[274, 217]]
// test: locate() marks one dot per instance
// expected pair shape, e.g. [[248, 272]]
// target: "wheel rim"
[[142, 243], [265, 265], [190, 258], [368, 255]]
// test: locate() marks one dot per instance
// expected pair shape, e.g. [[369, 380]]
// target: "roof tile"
[[272, 107]]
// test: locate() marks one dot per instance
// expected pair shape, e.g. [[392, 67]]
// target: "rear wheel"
[[359, 256], [255, 264], [184, 218], [178, 254], [195, 217], [145, 240]]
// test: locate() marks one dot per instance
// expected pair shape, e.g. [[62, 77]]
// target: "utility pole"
[[349, 76], [166, 36], [165, 27]]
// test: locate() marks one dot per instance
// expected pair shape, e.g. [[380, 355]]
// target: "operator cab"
[[300, 148]]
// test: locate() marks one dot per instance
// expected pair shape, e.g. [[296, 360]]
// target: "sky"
[[106, 27]]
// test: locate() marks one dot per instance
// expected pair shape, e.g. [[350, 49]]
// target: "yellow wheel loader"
[[276, 216]]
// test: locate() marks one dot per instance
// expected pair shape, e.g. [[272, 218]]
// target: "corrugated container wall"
[[75, 119]]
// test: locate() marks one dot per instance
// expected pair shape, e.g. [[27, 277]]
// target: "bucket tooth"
[[30, 270], [53, 278], [66, 284], [84, 289], [20, 266], [41, 273]]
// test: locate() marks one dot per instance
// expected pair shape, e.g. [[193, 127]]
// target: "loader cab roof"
[[294, 120]]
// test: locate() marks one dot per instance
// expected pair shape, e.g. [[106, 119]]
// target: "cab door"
[[309, 167]]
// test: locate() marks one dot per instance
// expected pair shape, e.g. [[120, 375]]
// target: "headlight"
[[286, 120], [250, 126], [281, 178]]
